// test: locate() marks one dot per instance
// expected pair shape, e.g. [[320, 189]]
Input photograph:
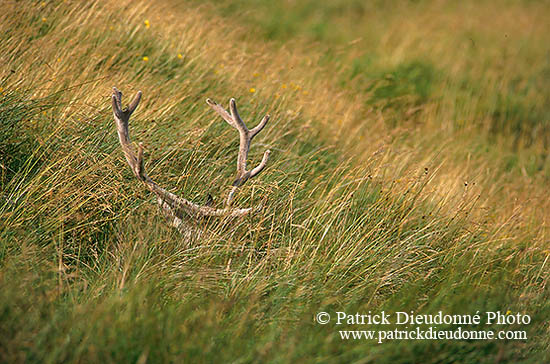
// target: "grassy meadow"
[[409, 172]]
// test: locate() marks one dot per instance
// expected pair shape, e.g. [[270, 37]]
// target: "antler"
[[173, 205], [245, 137]]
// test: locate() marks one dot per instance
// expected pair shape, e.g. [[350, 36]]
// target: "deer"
[[181, 213]]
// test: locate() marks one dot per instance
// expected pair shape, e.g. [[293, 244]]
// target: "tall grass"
[[363, 211]]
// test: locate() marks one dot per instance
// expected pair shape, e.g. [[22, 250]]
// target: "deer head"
[[183, 213]]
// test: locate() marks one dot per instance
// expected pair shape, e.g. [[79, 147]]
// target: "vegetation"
[[409, 172]]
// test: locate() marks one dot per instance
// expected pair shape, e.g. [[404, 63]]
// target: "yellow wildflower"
[[180, 56], [283, 85], [43, 19], [147, 24], [252, 90], [145, 58]]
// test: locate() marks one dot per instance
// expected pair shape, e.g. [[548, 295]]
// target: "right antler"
[[173, 205], [245, 137]]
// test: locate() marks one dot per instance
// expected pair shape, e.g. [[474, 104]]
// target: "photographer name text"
[[410, 318]]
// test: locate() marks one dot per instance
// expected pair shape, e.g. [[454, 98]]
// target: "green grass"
[[428, 46], [377, 196]]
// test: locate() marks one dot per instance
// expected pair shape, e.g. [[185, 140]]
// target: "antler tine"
[[220, 110], [117, 97], [260, 126], [134, 104], [248, 174], [236, 118], [254, 172]]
